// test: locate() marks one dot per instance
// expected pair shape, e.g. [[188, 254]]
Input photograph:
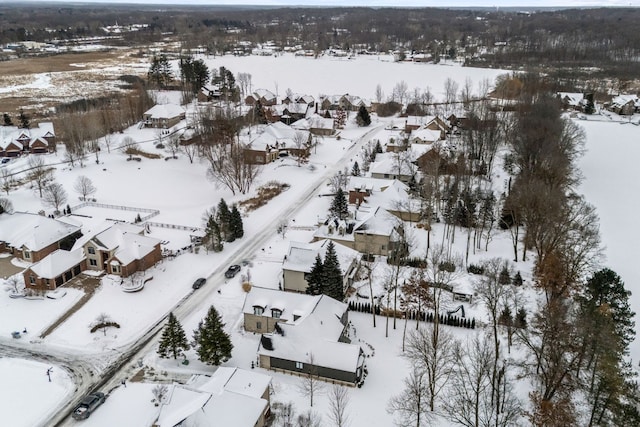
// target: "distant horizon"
[[526, 4]]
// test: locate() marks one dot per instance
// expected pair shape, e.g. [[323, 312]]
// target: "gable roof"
[[57, 262], [33, 231], [126, 242], [165, 111], [387, 164], [302, 256], [313, 122]]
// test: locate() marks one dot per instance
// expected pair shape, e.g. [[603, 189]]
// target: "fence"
[[151, 212], [174, 226]]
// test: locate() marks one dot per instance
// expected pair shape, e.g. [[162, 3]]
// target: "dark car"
[[88, 405], [232, 271], [199, 283]]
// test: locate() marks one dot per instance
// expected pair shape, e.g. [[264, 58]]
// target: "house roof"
[[276, 133], [33, 231], [228, 409], [313, 122], [180, 404], [315, 333], [380, 222], [15, 135], [388, 165], [263, 93], [125, 241], [302, 256], [57, 262], [622, 100], [165, 111], [424, 135], [573, 99], [240, 381]]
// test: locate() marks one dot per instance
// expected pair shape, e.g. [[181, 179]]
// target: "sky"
[[377, 3]]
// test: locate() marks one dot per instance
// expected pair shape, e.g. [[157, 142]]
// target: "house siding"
[[324, 373], [51, 283], [267, 323], [372, 244], [294, 281]]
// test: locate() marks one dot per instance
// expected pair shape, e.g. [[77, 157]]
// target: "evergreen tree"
[[237, 227], [355, 170], [504, 278], [339, 206], [521, 318], [213, 235], [173, 341], [517, 279], [315, 277], [327, 114], [223, 218], [7, 120], [25, 123], [258, 113], [332, 275], [363, 117], [378, 147], [160, 71], [211, 342]]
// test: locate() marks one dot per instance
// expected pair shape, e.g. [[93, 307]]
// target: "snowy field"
[[26, 395]]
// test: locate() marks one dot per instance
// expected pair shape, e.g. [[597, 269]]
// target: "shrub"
[[388, 109], [475, 269], [104, 325], [447, 266], [246, 287]]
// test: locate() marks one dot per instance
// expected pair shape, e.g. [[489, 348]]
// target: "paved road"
[[107, 371]]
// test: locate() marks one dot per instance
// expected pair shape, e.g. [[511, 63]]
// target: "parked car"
[[199, 283], [232, 271], [88, 405]]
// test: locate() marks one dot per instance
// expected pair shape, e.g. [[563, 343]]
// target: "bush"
[[475, 269], [246, 287], [104, 325], [447, 266], [388, 109]]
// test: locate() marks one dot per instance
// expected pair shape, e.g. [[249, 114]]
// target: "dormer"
[[276, 313], [258, 310]]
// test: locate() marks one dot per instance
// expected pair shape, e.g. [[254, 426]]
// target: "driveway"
[[7, 269]]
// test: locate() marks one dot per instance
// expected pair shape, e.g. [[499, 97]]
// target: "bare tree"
[[172, 145], [228, 168], [190, 150], [450, 90], [5, 205], [14, 284], [400, 91], [7, 181], [411, 406], [103, 321], [338, 402], [309, 419], [379, 95], [84, 186], [54, 195], [284, 414], [339, 180], [38, 173], [244, 82], [128, 146], [300, 142], [160, 392], [310, 384], [431, 350]]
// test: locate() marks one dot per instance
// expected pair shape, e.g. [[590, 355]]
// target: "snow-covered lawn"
[[26, 395]]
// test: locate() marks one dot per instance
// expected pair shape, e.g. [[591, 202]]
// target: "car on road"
[[232, 271], [199, 283], [89, 404]]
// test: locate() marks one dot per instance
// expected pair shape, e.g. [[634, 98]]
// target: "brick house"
[[163, 116]]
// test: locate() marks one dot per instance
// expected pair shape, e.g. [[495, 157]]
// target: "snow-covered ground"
[[26, 394], [180, 191]]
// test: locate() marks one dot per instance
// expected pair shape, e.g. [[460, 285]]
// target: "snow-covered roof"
[[302, 256], [388, 164], [276, 133], [33, 231], [316, 333], [380, 222], [125, 239], [263, 93], [228, 409], [621, 100], [57, 262], [180, 404], [425, 136], [573, 99], [313, 122], [16, 135], [241, 381], [165, 111]]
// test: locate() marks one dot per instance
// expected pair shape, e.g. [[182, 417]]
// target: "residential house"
[[305, 334], [286, 113], [54, 270], [572, 101], [121, 249], [209, 93], [277, 140], [31, 237], [425, 136], [39, 139], [625, 104], [230, 397], [390, 194], [371, 231], [266, 98], [426, 122], [301, 257], [316, 124], [346, 102], [164, 116], [297, 98], [393, 166]]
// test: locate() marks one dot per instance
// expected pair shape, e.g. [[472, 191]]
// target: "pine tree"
[[378, 147], [517, 279], [259, 116], [339, 206], [504, 278], [7, 120], [237, 227], [25, 123], [173, 341], [213, 235], [211, 342], [355, 170], [160, 71], [223, 217], [521, 318], [332, 275], [363, 117], [315, 277]]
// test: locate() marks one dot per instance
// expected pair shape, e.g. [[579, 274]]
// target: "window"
[[115, 268], [27, 254], [257, 310], [32, 279], [91, 250], [386, 175], [93, 262], [258, 325], [276, 313], [295, 317], [299, 365]]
